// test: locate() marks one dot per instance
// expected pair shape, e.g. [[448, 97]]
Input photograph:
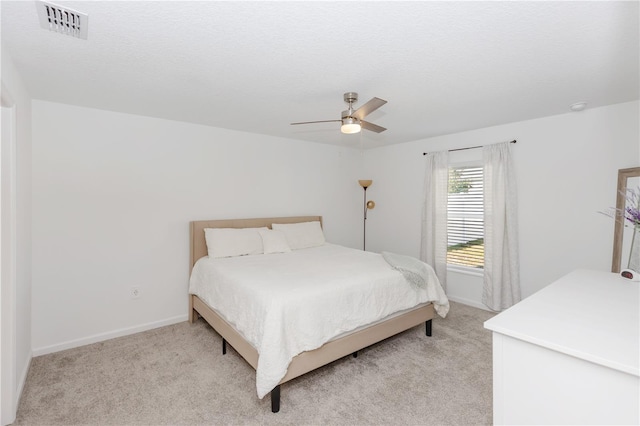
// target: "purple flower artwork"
[[631, 213]]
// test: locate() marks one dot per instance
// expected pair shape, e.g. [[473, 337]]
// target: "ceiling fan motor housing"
[[346, 119]]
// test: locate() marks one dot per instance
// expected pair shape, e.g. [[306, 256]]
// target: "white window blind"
[[465, 217]]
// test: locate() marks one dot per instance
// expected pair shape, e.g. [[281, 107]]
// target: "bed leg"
[[224, 347], [192, 313], [428, 327], [275, 399], [355, 354]]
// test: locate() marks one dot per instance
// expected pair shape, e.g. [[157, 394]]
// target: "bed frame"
[[306, 361]]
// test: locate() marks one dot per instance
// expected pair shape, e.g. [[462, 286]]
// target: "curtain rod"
[[471, 147]]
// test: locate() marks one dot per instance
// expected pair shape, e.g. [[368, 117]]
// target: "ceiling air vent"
[[62, 20]]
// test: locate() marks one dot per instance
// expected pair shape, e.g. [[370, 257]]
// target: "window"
[[465, 217]]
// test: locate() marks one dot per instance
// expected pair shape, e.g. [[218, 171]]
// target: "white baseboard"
[[108, 335], [469, 302]]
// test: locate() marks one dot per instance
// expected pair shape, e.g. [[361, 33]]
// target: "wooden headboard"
[[198, 245]]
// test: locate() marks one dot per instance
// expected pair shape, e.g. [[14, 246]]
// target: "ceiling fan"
[[353, 120]]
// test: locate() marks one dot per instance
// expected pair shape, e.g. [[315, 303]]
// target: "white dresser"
[[569, 354]]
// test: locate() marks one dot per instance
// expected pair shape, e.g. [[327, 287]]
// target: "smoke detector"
[[578, 106], [62, 20]]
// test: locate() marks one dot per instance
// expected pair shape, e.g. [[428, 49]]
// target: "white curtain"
[[501, 261], [433, 247]]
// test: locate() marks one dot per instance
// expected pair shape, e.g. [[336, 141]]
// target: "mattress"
[[287, 303]]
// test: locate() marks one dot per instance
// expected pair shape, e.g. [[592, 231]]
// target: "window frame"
[[463, 269]]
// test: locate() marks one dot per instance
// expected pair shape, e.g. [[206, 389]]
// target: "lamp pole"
[[364, 230], [365, 183]]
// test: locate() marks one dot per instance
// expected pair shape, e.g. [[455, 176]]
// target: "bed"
[[234, 324]]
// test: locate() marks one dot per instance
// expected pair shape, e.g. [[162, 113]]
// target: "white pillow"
[[228, 242], [274, 242], [301, 235]]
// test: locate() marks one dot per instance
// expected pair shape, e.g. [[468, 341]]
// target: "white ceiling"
[[443, 67]]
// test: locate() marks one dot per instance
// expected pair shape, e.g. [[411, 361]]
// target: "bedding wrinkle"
[[287, 303], [420, 274]]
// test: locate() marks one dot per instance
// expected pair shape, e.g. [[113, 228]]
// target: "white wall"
[[113, 195], [13, 83], [566, 170]]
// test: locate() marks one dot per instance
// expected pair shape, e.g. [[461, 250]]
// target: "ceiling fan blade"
[[322, 121], [372, 127], [368, 108]]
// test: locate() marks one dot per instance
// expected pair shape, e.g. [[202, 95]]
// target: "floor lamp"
[[367, 205]]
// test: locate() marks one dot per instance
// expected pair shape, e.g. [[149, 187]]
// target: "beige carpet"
[[178, 375]]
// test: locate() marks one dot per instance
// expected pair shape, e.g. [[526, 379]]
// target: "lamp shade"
[[365, 183], [371, 204]]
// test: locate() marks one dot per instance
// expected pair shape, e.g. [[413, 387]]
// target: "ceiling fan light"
[[350, 128], [350, 125]]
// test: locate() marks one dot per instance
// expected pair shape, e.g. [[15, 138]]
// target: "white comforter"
[[288, 303]]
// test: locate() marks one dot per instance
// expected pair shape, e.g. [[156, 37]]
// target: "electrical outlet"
[[135, 292]]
